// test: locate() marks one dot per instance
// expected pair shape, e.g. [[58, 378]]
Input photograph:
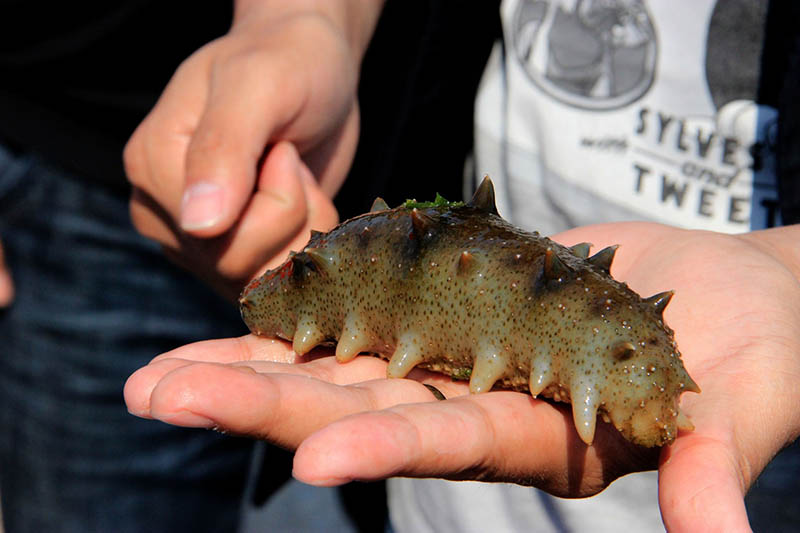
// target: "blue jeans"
[[95, 301]]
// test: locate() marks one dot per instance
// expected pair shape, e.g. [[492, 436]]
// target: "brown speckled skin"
[[570, 333]]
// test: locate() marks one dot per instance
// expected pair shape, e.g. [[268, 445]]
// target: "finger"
[[322, 214], [280, 408], [292, 226], [249, 100], [234, 350], [155, 154], [6, 282], [151, 220], [331, 160], [262, 354], [275, 217], [700, 488], [139, 386], [265, 356], [278, 219], [287, 205], [501, 436]]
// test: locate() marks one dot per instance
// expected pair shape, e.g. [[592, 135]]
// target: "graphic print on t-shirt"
[[588, 55], [645, 110]]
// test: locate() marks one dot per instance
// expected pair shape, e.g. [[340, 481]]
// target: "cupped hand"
[[214, 181], [736, 313]]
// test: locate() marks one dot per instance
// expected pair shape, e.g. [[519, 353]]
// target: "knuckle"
[[140, 217], [146, 220], [133, 158], [246, 62]]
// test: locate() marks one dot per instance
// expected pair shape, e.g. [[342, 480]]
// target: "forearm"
[[355, 18]]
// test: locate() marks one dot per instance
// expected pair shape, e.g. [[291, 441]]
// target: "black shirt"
[[77, 77]]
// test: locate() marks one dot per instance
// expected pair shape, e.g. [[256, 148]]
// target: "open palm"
[[736, 314]]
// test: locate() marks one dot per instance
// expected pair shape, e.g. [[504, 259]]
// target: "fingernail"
[[201, 206]]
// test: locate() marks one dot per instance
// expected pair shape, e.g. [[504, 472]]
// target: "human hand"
[[6, 281], [736, 313], [211, 180]]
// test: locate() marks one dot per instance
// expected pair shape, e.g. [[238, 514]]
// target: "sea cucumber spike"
[[584, 409], [604, 257], [541, 376], [465, 262], [316, 234], [244, 301], [554, 268], [483, 198], [690, 385], [423, 224], [352, 341], [683, 422], [488, 368], [406, 356], [581, 249], [297, 263], [379, 205], [322, 259], [307, 335], [659, 301]]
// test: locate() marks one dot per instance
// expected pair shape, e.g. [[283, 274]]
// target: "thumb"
[[6, 283], [700, 487], [219, 180], [223, 156]]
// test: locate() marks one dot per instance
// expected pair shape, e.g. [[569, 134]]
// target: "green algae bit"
[[439, 201], [462, 373]]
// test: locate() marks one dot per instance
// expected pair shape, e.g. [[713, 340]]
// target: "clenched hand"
[[252, 137]]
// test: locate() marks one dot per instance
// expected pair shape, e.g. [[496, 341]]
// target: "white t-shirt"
[[609, 111], [648, 115]]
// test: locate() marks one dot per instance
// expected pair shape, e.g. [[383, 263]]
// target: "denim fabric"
[[95, 301]]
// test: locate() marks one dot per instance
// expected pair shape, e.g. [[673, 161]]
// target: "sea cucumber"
[[454, 288]]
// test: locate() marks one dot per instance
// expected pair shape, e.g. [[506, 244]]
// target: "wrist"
[[354, 19], [781, 243]]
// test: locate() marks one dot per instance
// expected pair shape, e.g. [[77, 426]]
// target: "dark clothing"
[[94, 302], [780, 77], [78, 77]]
